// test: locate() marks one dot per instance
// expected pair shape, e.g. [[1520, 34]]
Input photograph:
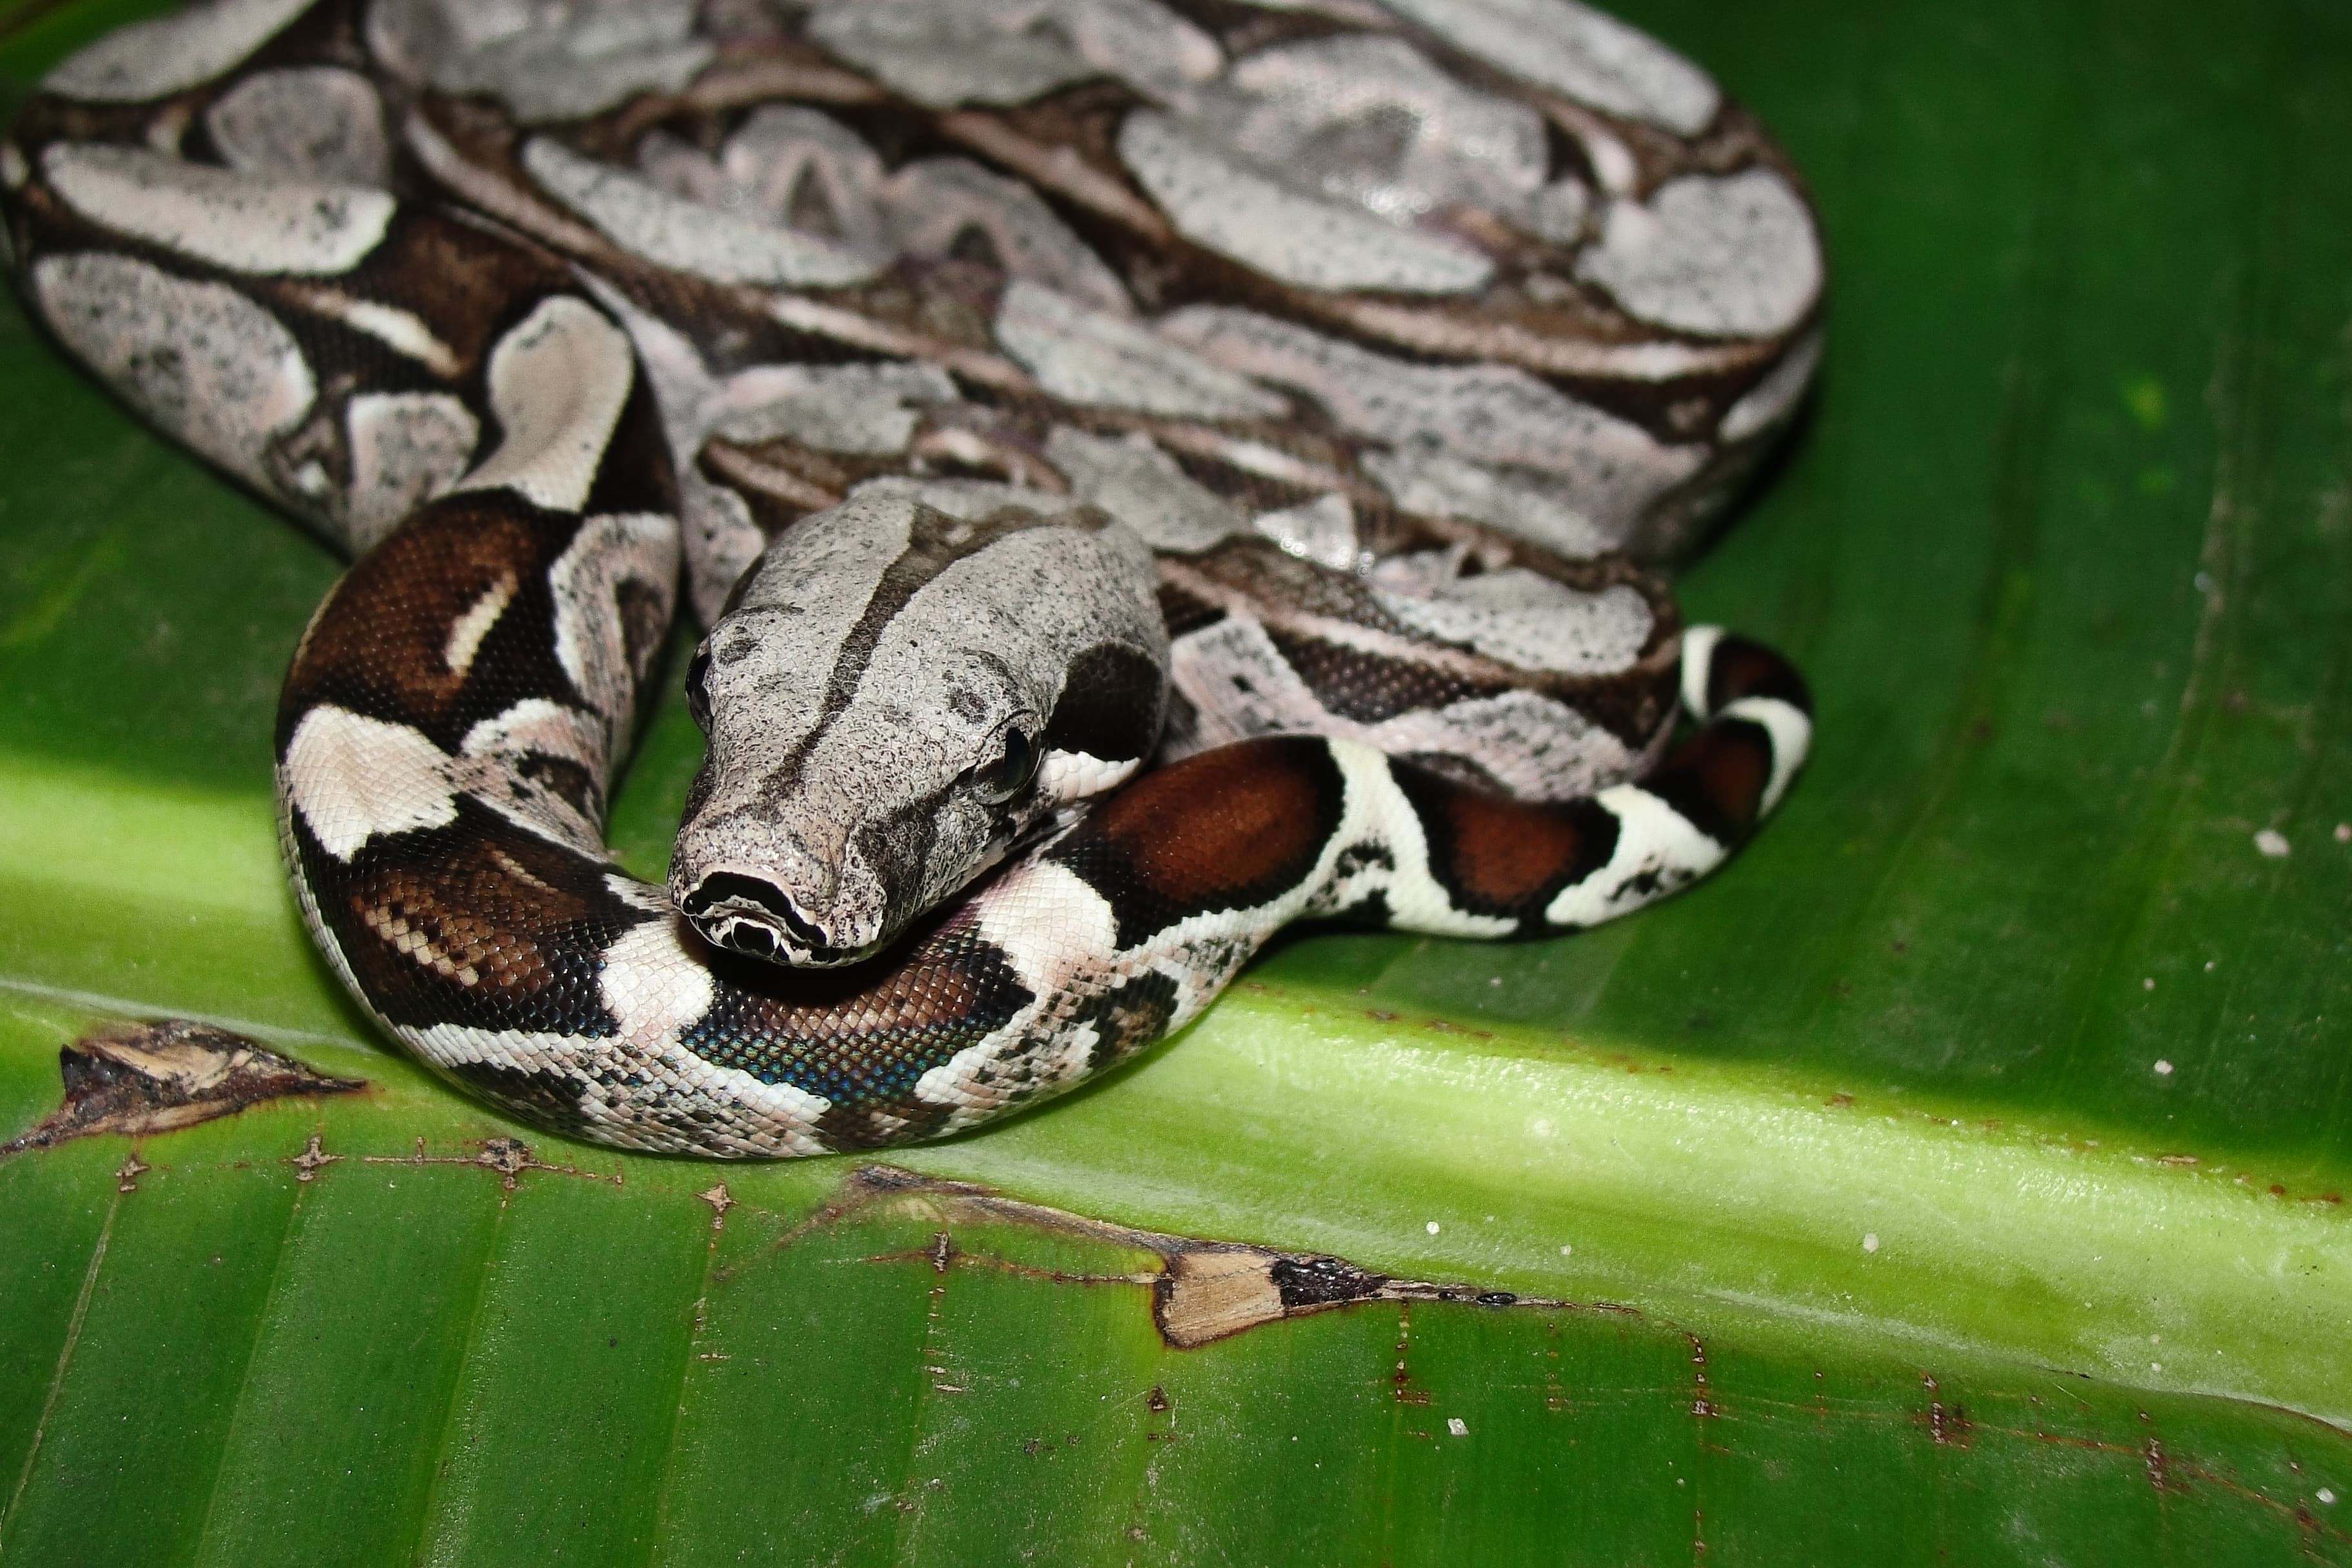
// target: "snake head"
[[902, 689]]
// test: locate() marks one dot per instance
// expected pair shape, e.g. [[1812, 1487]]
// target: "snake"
[[1148, 472]]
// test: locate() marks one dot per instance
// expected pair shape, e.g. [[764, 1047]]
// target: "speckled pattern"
[[995, 378]]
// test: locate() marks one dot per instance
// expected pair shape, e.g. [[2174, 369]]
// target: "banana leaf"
[[1957, 1176]]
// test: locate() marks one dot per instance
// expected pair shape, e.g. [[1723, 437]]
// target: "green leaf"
[[1956, 1177]]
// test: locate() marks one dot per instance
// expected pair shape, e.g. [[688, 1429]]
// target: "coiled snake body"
[[1031, 390]]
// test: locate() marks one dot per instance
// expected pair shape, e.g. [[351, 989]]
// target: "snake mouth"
[[758, 919]]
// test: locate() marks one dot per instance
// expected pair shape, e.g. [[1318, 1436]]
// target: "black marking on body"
[[527, 920], [379, 646], [863, 1036], [1744, 667], [1368, 687], [1503, 857], [1183, 612], [1111, 704], [543, 1098], [1128, 1016], [1717, 778], [1231, 828]]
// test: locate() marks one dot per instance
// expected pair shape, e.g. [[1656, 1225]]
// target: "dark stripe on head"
[[1717, 778], [935, 541], [1506, 857], [1230, 828], [1746, 668]]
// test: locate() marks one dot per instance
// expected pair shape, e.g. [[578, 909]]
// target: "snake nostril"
[[732, 891], [750, 939]]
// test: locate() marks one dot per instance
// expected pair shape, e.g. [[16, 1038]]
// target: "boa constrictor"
[[1006, 375]]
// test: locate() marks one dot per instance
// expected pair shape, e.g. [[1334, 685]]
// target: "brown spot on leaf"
[[310, 1160], [1203, 1290], [144, 1079]]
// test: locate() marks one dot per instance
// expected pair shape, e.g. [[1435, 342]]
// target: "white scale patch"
[[1060, 937], [209, 366], [1534, 747], [1051, 926], [786, 165], [354, 778], [1055, 932], [236, 221], [667, 1099], [304, 122], [943, 53], [791, 167], [1767, 404], [1561, 211], [547, 65], [1416, 900], [668, 231], [1420, 480], [466, 631], [1526, 619], [929, 204], [1699, 644], [1659, 850], [637, 547], [721, 541], [406, 448], [1792, 736], [1574, 49], [1315, 241], [1322, 530], [1132, 479], [13, 170], [1731, 257], [170, 54], [557, 382], [1610, 468], [1078, 775], [653, 986], [1370, 120], [869, 410], [490, 768], [402, 332], [1091, 357]]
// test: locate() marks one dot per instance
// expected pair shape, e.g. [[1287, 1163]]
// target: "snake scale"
[[1151, 471]]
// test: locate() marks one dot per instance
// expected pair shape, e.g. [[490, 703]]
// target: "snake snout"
[[759, 920]]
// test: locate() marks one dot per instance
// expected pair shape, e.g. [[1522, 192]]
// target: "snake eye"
[[1010, 772], [698, 688]]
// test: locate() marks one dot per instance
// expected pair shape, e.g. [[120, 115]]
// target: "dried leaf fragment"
[[143, 1078]]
